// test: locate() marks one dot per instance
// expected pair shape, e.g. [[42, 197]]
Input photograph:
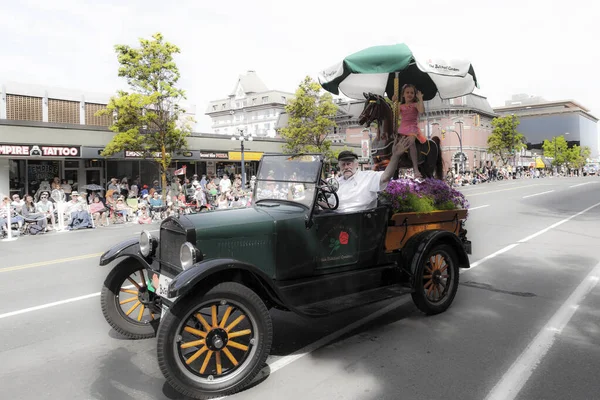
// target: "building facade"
[[463, 125], [250, 107], [543, 120], [48, 132]]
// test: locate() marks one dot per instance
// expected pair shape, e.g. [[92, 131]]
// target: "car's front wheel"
[[127, 303], [436, 280], [214, 344]]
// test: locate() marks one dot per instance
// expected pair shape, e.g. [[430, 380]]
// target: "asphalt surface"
[[522, 325]]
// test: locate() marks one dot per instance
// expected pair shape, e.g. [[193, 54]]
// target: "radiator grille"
[[171, 239]]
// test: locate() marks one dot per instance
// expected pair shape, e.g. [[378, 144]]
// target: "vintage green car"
[[204, 285]]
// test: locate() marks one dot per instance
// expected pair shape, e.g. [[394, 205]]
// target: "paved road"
[[524, 325]]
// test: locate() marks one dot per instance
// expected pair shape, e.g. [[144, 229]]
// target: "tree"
[[576, 156], [149, 119], [557, 149], [505, 141], [311, 116]]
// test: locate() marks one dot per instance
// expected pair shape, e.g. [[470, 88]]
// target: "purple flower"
[[399, 192]]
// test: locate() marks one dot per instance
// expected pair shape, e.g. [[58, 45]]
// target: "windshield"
[[291, 178]]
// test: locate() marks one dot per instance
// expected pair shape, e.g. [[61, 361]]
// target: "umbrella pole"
[[427, 119], [397, 97]]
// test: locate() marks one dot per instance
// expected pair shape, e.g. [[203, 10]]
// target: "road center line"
[[538, 194], [502, 190], [48, 305], [475, 208], [519, 373], [581, 184], [528, 238], [50, 262]]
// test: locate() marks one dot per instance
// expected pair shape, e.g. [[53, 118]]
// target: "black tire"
[[198, 382], [435, 291], [110, 299]]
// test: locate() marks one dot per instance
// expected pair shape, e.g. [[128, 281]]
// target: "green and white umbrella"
[[374, 69]]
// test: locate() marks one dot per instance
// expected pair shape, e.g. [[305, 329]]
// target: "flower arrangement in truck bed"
[[407, 195]]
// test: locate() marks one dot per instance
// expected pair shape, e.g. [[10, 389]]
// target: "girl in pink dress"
[[411, 104]]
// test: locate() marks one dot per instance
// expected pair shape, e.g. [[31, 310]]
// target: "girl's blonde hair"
[[402, 100]]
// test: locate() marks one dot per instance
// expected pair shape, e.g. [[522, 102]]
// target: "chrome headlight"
[[146, 243], [187, 255]]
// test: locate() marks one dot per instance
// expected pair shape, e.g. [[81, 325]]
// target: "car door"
[[337, 238]]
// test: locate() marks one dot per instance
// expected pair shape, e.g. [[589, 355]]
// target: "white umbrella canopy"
[[374, 69]]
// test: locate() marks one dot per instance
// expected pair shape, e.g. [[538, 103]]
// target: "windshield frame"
[[315, 183]]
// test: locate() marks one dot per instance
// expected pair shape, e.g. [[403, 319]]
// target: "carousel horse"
[[430, 155]]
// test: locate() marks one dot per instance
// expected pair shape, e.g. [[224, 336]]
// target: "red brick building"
[[463, 122]]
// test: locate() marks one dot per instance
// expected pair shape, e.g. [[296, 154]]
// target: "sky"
[[542, 48]]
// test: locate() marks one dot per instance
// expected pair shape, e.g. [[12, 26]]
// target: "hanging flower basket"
[[418, 207]]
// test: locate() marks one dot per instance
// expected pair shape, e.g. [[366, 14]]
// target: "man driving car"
[[358, 189]]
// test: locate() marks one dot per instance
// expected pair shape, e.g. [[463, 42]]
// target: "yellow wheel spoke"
[[137, 303], [141, 313], [429, 282], [234, 323], [203, 322], [137, 285], [445, 267], [224, 320], [129, 300], [206, 360], [239, 333], [230, 356], [219, 367], [430, 290], [194, 331], [215, 322], [196, 355], [130, 291], [151, 317], [427, 276], [237, 345], [192, 344]]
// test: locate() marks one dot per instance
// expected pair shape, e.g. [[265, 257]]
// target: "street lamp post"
[[462, 155], [244, 136]]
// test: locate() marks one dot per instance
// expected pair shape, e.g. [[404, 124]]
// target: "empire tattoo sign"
[[33, 150]]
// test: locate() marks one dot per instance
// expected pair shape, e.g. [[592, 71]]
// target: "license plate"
[[163, 286]]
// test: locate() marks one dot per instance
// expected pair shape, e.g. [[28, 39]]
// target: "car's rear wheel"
[[436, 280], [127, 304], [214, 344]]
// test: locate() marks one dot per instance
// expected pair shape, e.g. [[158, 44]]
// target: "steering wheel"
[[326, 192]]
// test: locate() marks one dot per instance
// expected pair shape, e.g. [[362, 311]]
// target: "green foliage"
[[557, 149], [576, 156], [505, 141], [311, 115], [148, 118], [414, 203]]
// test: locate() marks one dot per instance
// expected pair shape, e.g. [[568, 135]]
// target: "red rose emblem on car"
[[343, 237]]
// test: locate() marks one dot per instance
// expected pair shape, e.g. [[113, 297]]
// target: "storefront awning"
[[539, 163], [248, 156]]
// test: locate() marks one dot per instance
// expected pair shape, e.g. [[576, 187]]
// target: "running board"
[[354, 300]]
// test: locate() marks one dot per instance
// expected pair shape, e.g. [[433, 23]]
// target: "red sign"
[[31, 150]]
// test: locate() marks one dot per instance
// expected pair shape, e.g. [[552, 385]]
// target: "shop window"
[[17, 177], [23, 108], [71, 163], [39, 171]]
